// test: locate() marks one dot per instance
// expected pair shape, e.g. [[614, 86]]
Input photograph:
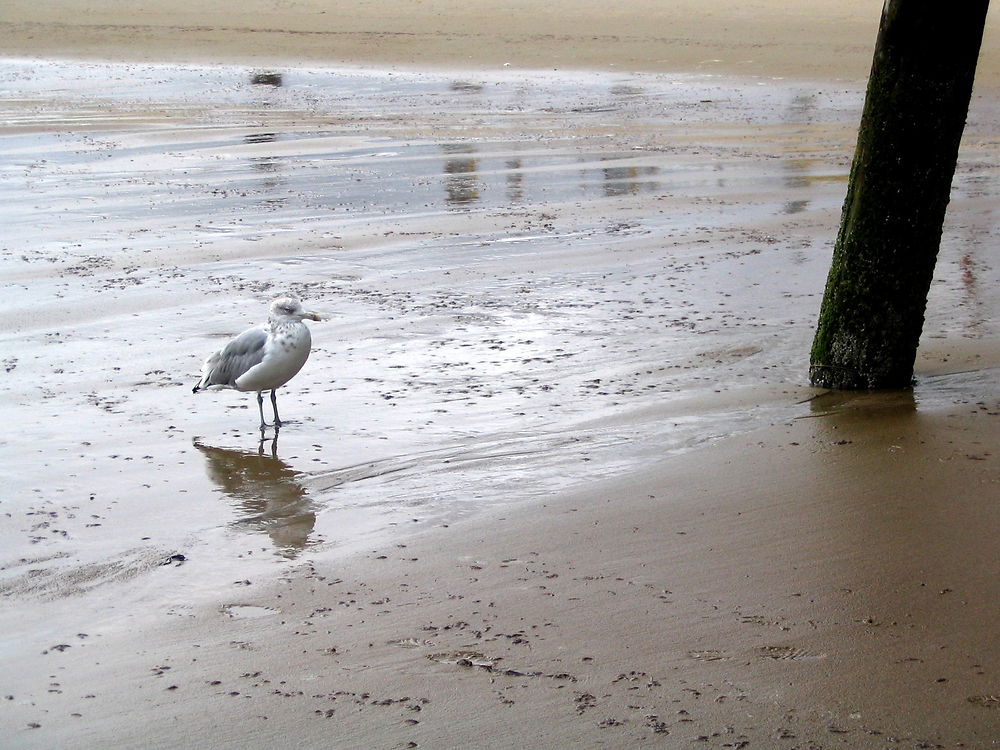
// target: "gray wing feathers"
[[234, 359]]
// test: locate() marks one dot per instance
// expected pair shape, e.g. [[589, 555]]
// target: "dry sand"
[[811, 39], [816, 39], [826, 581]]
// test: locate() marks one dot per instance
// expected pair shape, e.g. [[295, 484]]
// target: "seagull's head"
[[289, 307]]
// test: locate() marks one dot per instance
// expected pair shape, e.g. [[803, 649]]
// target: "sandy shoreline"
[[800, 606], [569, 35], [813, 40], [826, 581]]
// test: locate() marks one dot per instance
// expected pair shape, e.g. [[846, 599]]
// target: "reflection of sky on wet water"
[[316, 178], [473, 176], [349, 157]]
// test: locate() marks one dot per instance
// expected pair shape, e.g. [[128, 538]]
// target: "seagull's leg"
[[274, 406], [260, 406]]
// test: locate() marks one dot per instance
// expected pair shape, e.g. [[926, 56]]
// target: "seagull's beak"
[[312, 316]]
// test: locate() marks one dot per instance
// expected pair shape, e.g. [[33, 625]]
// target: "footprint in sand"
[[247, 611], [709, 655], [475, 659], [410, 643], [986, 701], [787, 652], [464, 659], [765, 652]]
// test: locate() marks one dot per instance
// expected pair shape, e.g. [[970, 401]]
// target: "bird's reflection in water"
[[266, 491]]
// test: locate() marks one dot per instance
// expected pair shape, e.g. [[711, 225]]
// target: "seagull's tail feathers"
[[206, 384], [213, 378]]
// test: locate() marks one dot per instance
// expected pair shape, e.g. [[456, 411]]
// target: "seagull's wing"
[[235, 358]]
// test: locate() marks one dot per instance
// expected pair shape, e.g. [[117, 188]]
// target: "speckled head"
[[290, 307]]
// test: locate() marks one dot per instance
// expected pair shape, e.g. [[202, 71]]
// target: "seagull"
[[262, 358]]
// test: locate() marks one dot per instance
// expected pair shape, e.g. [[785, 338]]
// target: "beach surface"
[[553, 475]]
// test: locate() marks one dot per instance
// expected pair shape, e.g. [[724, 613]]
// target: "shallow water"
[[532, 281]]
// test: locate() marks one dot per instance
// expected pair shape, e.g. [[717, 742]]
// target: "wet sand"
[[554, 477]]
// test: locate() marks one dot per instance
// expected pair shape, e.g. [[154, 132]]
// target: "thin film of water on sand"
[[532, 281]]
